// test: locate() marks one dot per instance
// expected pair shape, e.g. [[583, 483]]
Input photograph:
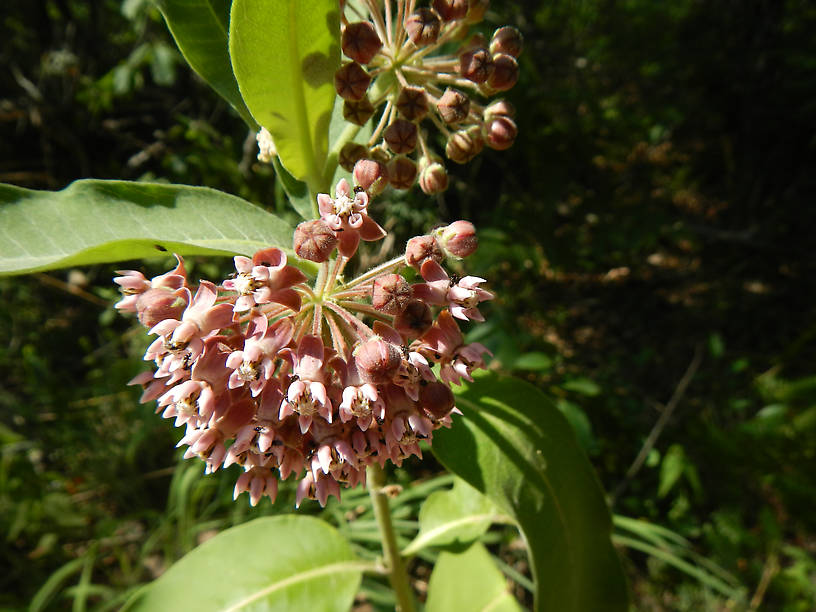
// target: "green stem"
[[397, 576]]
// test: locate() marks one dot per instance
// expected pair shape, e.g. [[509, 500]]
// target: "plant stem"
[[397, 576]]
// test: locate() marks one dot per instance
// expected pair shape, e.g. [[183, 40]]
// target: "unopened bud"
[[499, 108], [476, 11], [414, 320], [422, 248], [453, 106], [357, 112], [350, 154], [412, 103], [436, 399], [314, 240], [501, 133], [371, 175], [390, 293], [507, 40], [423, 26], [351, 81], [156, 305], [360, 42], [401, 136], [464, 145], [458, 238], [505, 72], [402, 172], [377, 360], [451, 9], [433, 178], [476, 65]]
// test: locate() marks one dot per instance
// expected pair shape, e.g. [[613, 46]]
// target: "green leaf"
[[674, 462], [283, 563], [514, 446], [296, 191], [582, 386], [103, 221], [459, 515], [200, 29], [468, 581], [284, 54]]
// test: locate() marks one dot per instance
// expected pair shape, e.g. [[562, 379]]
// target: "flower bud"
[[458, 238], [414, 320], [360, 42], [351, 81], [350, 154], [371, 175], [401, 136], [377, 360], [505, 72], [476, 65], [412, 103], [421, 248], [501, 133], [499, 108], [476, 11], [314, 240], [451, 9], [507, 40], [423, 27], [464, 145], [357, 111], [453, 106], [390, 293], [402, 172], [436, 399], [156, 305], [433, 178]]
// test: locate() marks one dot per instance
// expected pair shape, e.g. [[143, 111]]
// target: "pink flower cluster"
[[315, 379]]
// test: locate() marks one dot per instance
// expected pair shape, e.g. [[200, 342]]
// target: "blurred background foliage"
[[649, 238]]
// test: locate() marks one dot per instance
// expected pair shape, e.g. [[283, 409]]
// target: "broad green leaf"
[[279, 563], [469, 581], [296, 191], [514, 446], [674, 462], [284, 54], [104, 221], [458, 515], [200, 29]]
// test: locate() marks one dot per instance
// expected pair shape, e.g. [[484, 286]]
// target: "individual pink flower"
[[257, 481], [317, 486], [190, 402], [255, 364], [444, 343], [133, 284], [306, 395], [413, 369], [263, 279], [347, 216], [462, 296], [360, 401]]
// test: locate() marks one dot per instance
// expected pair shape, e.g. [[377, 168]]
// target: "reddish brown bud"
[[464, 145], [390, 293], [433, 178], [350, 154], [357, 111], [351, 81], [371, 175], [505, 72], [377, 360], [314, 240], [500, 108], [501, 133], [453, 106], [436, 399], [401, 136], [156, 305], [360, 42], [451, 9], [423, 26], [507, 40], [412, 103], [414, 320], [476, 10], [402, 173], [476, 65], [458, 238], [422, 248]]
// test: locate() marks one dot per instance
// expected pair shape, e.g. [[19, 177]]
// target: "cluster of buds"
[[315, 379], [401, 70]]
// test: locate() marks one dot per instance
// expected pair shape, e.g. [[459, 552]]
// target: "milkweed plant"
[[306, 363]]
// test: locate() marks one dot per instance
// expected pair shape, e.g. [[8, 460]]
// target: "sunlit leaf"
[[104, 221], [284, 54], [280, 563], [513, 445]]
